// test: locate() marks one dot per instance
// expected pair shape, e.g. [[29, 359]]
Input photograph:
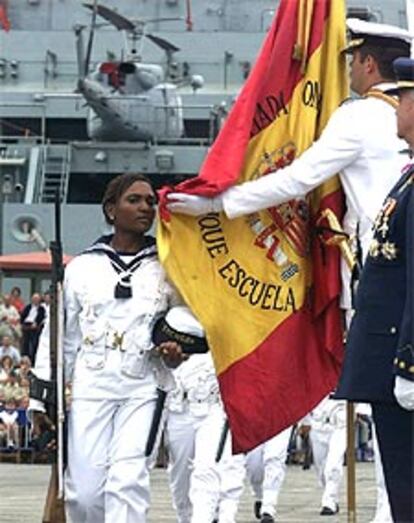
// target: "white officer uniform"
[[328, 439], [266, 469], [114, 376], [200, 487], [359, 142]]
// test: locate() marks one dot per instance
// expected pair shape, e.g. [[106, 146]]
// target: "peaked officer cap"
[[380, 35], [180, 325], [404, 70]]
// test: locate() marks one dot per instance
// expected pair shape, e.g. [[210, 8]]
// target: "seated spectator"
[[7, 349], [9, 319], [8, 420], [23, 371], [32, 319], [24, 399], [16, 299], [7, 371]]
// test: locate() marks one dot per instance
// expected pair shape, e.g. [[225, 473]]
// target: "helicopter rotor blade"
[[91, 35], [163, 19], [120, 22], [164, 44]]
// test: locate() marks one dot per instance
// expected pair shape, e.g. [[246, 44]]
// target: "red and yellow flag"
[[264, 287]]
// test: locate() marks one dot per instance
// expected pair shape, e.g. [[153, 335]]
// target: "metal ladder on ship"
[[55, 173]]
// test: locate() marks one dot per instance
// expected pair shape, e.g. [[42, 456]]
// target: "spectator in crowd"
[[16, 299], [24, 399], [7, 349], [32, 319], [7, 371], [8, 424], [24, 369], [9, 319]]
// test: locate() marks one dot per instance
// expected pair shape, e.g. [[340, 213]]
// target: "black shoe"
[[257, 508], [267, 518], [326, 511]]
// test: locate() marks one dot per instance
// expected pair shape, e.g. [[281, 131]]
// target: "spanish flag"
[[264, 286]]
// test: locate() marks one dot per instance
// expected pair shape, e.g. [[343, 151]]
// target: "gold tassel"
[[301, 47]]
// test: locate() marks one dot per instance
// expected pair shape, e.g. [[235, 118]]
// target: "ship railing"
[[13, 110], [21, 140]]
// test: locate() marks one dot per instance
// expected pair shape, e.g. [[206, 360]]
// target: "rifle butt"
[[54, 509]]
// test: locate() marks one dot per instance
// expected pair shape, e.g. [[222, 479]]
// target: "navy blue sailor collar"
[[124, 269]]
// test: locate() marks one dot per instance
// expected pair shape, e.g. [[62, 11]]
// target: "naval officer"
[[379, 359], [360, 142]]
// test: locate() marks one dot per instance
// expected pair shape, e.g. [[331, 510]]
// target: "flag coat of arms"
[[264, 286]]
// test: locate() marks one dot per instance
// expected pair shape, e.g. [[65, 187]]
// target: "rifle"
[[222, 441], [54, 509], [156, 422]]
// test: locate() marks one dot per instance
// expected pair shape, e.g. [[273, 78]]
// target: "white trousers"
[[383, 509], [107, 477], [266, 469], [232, 473], [200, 492], [328, 448]]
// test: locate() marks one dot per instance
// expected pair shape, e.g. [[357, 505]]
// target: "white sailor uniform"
[[195, 423], [114, 376], [328, 440], [266, 469]]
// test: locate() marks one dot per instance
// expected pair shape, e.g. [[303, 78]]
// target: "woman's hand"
[[171, 353]]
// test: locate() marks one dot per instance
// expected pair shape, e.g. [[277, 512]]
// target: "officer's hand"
[[43, 431], [193, 205], [171, 353]]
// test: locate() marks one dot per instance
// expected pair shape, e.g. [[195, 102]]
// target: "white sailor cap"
[[381, 35], [181, 326]]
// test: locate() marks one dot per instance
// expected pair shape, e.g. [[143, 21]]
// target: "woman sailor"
[[114, 292]]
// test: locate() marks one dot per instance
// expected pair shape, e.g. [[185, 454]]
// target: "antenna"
[[94, 8]]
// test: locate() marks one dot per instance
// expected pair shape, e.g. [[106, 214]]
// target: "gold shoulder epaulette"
[[376, 93]]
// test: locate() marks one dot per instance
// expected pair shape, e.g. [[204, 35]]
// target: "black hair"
[[384, 52], [116, 188]]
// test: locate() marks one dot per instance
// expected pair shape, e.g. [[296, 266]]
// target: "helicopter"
[[130, 100]]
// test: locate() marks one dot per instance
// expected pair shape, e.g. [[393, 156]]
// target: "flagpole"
[[350, 461], [340, 239]]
